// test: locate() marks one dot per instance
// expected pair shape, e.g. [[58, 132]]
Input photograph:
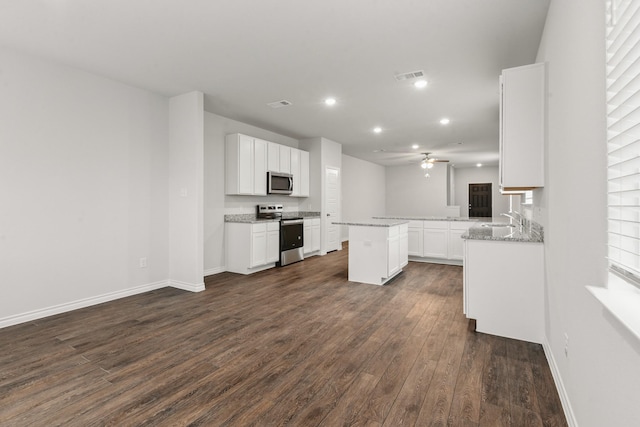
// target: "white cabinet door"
[[403, 245], [415, 237], [311, 235], [304, 174], [295, 171], [239, 164], [285, 159], [259, 167], [456, 230], [522, 124], [435, 239], [273, 157], [258, 245], [393, 253], [273, 242], [315, 233]]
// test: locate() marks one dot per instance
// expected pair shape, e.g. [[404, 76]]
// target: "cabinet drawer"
[[403, 229], [259, 227], [273, 226], [436, 224], [311, 221], [415, 224]]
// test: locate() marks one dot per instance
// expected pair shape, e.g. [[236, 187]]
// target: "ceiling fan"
[[428, 162]]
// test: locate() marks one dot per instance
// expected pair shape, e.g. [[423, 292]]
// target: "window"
[[623, 137]]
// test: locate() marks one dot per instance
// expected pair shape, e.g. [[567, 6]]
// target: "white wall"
[[83, 184], [410, 193], [363, 190], [474, 175], [601, 374], [216, 203]]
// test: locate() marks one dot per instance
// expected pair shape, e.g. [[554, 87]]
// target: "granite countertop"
[[430, 218], [373, 222], [251, 218], [529, 233]]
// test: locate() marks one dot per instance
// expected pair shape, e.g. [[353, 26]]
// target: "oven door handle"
[[292, 221]]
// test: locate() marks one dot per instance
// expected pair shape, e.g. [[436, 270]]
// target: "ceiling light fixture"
[[330, 101], [423, 165], [415, 146], [479, 165], [429, 165], [377, 129], [426, 175], [420, 84], [445, 121]]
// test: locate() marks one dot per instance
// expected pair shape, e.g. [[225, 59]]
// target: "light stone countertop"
[[430, 218], [525, 234], [373, 222], [251, 218]]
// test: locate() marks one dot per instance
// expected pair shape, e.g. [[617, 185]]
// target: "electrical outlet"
[[566, 344], [143, 262]]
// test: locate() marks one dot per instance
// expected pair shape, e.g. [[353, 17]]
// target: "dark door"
[[480, 200]]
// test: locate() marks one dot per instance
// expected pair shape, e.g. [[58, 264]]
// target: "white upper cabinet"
[[304, 174], [295, 171], [239, 164], [260, 167], [285, 159], [273, 155], [522, 127], [248, 159]]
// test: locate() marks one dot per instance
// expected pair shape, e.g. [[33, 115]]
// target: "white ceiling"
[[244, 54]]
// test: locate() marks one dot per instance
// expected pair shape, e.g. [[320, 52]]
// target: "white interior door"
[[332, 208]]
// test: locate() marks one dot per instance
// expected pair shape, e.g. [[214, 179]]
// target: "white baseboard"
[[74, 305], [192, 287], [212, 271], [562, 391]]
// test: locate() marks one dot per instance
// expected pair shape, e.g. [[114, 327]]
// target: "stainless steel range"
[[291, 233]]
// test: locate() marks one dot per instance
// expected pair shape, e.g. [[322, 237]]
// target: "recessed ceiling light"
[[330, 101], [479, 165], [415, 146], [377, 129], [420, 84], [445, 121]]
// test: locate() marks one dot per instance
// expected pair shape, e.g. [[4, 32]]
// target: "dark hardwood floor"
[[298, 345]]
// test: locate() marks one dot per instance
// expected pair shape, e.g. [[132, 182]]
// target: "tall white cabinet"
[[522, 127]]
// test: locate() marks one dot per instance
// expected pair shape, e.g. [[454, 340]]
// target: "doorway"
[[480, 200], [332, 209]]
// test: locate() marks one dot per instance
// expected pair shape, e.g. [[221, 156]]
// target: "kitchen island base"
[[377, 253]]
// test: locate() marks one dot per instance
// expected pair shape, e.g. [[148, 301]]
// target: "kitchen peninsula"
[[377, 249]]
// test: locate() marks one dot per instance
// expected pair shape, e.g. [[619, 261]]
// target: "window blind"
[[623, 136]]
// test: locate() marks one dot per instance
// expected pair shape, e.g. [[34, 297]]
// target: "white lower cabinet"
[[504, 288], [311, 235], [415, 238], [252, 247], [435, 239], [456, 244]]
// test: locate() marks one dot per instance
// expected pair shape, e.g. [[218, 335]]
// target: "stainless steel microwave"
[[279, 183]]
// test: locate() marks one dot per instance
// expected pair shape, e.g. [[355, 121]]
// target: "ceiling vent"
[[409, 76], [279, 104]]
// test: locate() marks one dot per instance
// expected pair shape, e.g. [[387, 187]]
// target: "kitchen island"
[[378, 249]]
